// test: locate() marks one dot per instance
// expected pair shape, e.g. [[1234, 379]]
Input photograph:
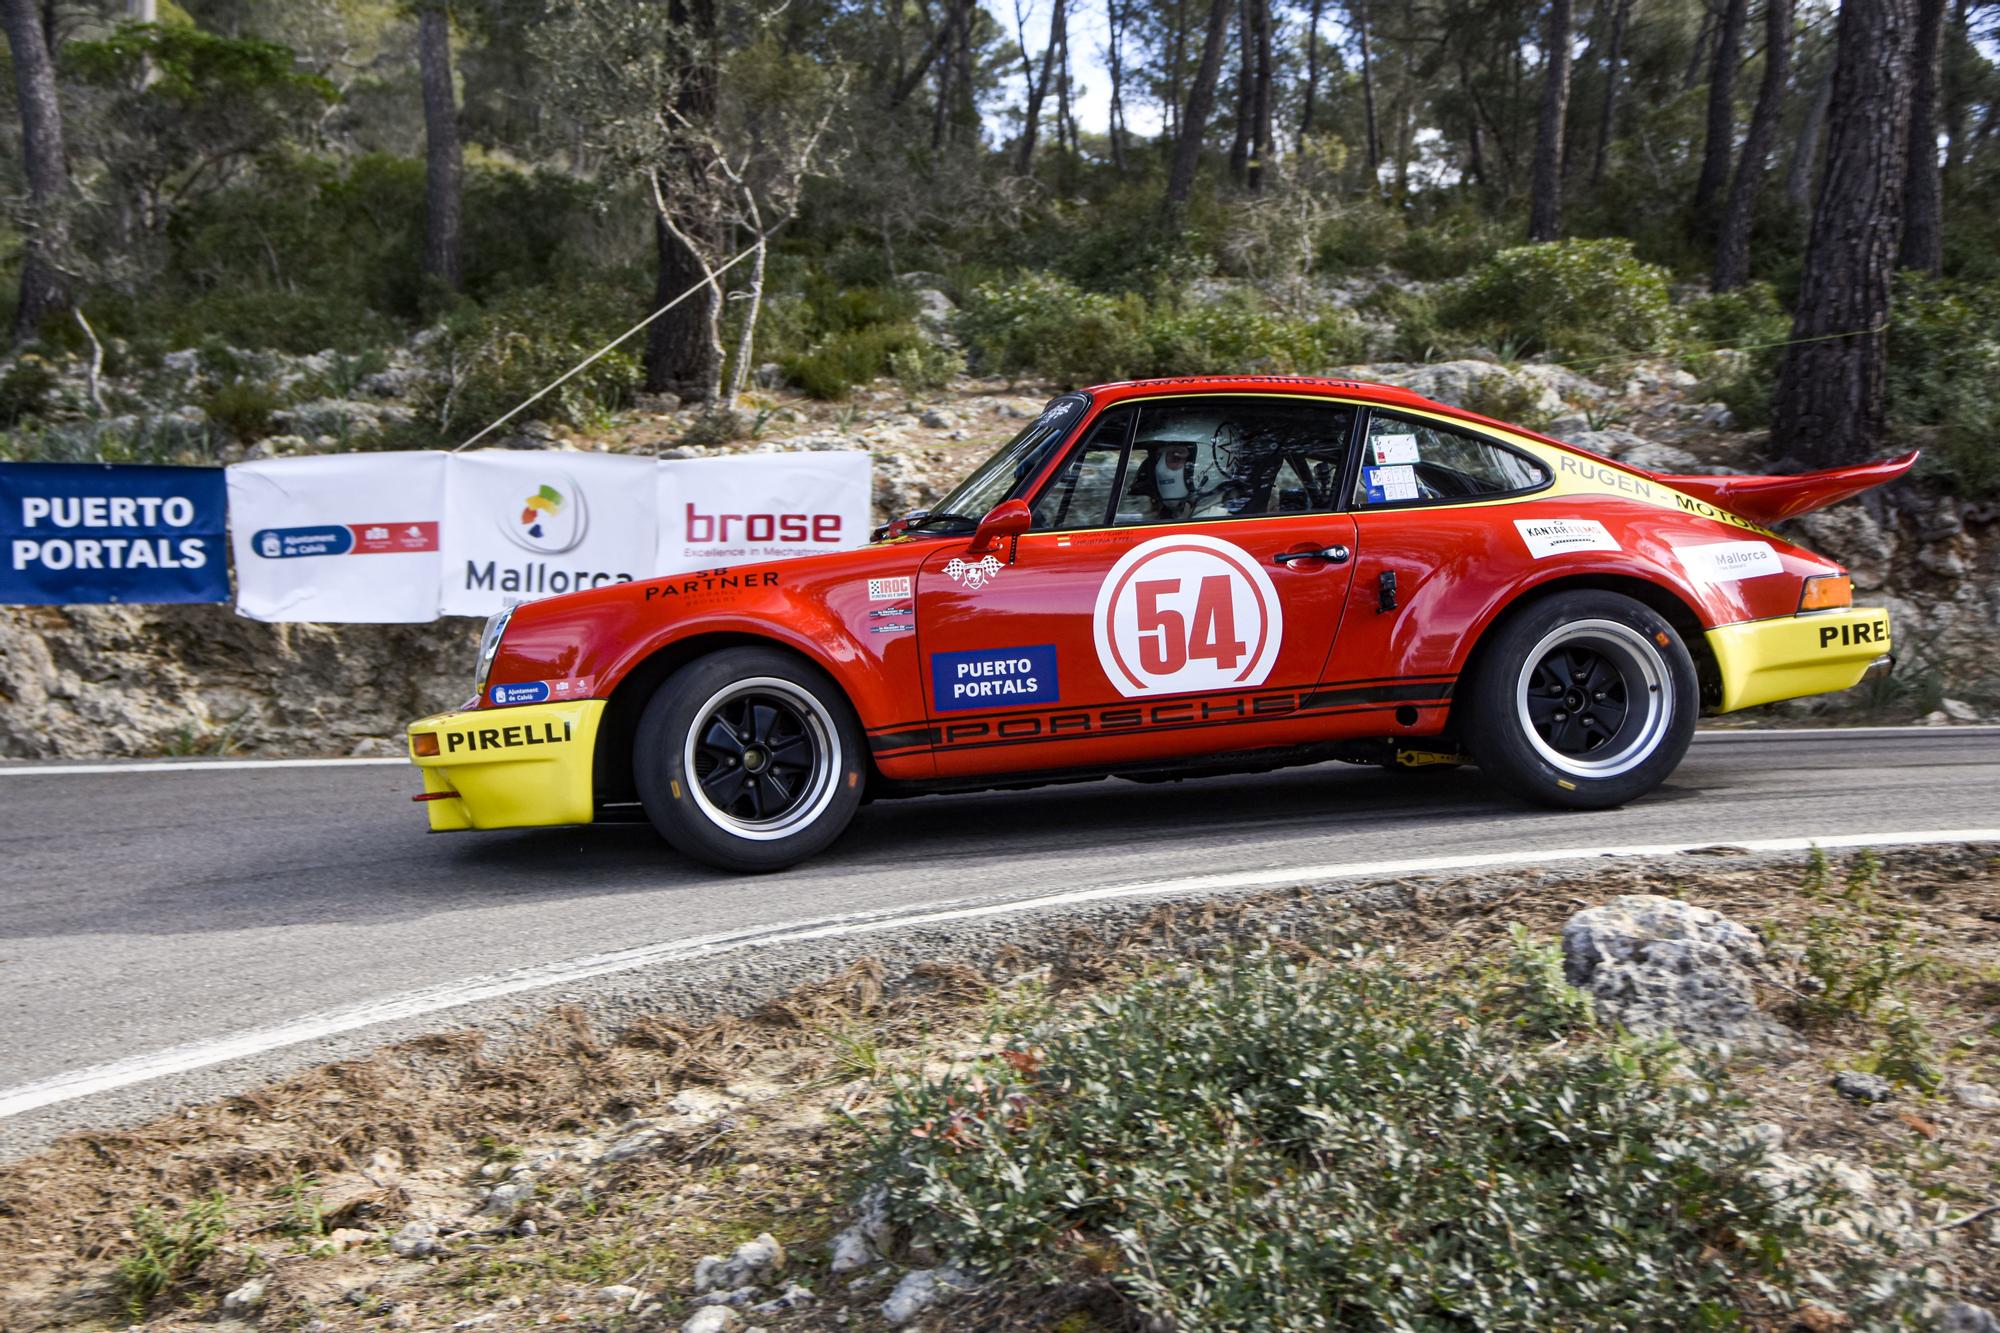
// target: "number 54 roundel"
[[1186, 612]]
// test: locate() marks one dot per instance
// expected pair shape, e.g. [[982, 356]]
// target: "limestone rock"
[[1660, 966], [921, 1289], [754, 1261]]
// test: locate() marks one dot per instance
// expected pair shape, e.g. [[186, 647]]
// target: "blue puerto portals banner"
[[103, 532]]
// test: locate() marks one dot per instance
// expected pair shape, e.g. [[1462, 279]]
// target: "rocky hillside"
[[84, 682]]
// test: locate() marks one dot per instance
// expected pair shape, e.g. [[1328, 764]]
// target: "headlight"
[[489, 648]]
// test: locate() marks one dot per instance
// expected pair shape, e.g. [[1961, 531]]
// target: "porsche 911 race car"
[[1166, 578]]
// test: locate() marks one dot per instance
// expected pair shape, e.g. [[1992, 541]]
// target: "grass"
[[166, 1250]]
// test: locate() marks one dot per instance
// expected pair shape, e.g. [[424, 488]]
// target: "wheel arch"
[[611, 767], [1670, 605]]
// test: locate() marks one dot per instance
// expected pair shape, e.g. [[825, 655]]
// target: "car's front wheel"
[[749, 759], [1584, 699]]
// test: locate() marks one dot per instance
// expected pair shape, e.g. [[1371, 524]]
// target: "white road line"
[[188, 766], [59, 769], [313, 1027]]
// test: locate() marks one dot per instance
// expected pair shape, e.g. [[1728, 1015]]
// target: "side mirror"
[[1006, 520]]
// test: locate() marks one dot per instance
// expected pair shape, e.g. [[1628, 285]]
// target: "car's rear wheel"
[[749, 759], [1583, 699]]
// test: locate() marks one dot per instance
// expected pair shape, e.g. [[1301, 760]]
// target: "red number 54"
[[1167, 642]]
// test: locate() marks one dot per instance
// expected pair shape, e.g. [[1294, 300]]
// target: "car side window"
[[1220, 457], [1080, 493], [1407, 461]]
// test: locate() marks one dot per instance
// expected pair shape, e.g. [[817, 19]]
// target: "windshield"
[[999, 475]]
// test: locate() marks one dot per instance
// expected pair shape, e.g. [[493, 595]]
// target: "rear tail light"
[[1824, 592]]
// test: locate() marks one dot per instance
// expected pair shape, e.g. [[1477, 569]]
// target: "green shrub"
[[1741, 317], [1944, 378], [926, 367], [1225, 337], [242, 407], [489, 360], [844, 359], [25, 387], [1046, 325], [1416, 331], [1261, 1144], [1574, 299], [167, 1251], [1450, 246]]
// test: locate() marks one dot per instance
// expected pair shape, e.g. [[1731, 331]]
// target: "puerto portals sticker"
[[995, 678], [1186, 613]]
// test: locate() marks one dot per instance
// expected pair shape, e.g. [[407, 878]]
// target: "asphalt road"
[[142, 908]]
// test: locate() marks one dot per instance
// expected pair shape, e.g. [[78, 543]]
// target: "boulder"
[[1660, 966]]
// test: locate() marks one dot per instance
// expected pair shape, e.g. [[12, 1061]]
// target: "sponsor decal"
[[709, 581], [533, 692], [535, 580], [995, 678], [1390, 449], [552, 521], [974, 574], [1854, 635], [345, 539], [1389, 484], [1726, 562], [506, 738], [888, 590], [1186, 613], [1545, 537]]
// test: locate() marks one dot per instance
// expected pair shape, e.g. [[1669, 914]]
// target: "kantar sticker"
[[1727, 562], [1186, 613], [1545, 537]]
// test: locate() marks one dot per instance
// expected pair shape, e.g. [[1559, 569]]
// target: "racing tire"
[[1583, 700], [749, 759]]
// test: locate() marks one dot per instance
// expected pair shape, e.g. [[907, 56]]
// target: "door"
[[1177, 594]]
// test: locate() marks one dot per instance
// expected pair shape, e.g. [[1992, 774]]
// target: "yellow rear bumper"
[[1819, 652], [510, 767]]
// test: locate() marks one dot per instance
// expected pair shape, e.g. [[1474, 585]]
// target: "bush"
[[1742, 317], [167, 1252], [242, 407], [925, 367], [25, 387], [488, 361], [849, 357], [1944, 377], [1576, 299], [1261, 1144]]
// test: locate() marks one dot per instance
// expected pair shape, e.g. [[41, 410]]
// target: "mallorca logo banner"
[[340, 538], [756, 507], [524, 525], [98, 532]]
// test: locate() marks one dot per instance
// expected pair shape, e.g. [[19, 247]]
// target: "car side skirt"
[[524, 767]]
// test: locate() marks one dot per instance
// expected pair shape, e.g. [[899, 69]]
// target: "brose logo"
[[782, 529]]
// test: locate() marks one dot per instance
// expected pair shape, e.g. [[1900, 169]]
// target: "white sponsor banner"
[[737, 511], [1545, 537], [1725, 562], [342, 538], [519, 526]]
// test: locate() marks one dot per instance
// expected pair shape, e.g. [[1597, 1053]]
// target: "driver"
[[1172, 476]]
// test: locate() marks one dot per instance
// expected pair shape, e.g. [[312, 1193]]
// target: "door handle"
[[1335, 555]]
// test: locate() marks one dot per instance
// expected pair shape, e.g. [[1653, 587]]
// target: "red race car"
[[1169, 577]]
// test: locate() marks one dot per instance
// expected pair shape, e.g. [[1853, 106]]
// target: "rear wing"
[[1773, 499]]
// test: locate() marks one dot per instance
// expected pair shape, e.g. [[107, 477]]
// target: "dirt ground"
[[577, 1160]]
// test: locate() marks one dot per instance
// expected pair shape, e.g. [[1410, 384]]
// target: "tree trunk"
[[1200, 102], [1312, 73], [684, 346], [1923, 194], [1805, 152], [746, 341], [1720, 142], [1246, 91], [1038, 89], [1368, 100], [1829, 407], [1260, 102], [1115, 53], [1956, 86], [444, 165], [1732, 252], [1545, 203], [1696, 58], [1607, 116], [45, 276]]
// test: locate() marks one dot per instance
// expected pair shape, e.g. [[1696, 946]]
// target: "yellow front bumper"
[[1819, 652], [510, 767]]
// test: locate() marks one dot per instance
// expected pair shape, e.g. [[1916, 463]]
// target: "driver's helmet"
[[1173, 450]]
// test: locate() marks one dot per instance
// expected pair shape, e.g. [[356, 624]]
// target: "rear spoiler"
[[1774, 499]]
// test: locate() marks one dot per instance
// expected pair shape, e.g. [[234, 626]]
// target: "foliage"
[[1858, 954], [25, 386], [167, 1250], [1570, 299], [849, 357], [1526, 987], [1258, 1143], [925, 368], [1944, 377], [489, 360], [242, 407]]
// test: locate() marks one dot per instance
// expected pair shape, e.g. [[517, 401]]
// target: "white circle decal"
[[1182, 614]]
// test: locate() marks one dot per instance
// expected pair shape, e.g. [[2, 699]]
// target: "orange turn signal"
[[424, 744], [1826, 591]]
